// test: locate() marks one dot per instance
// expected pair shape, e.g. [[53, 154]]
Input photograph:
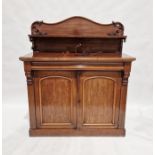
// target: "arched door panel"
[[99, 99]]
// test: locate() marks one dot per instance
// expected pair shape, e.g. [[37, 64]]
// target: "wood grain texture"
[[31, 96], [98, 99], [100, 93], [77, 78], [60, 57], [77, 26], [56, 100], [81, 132], [77, 35], [80, 46]]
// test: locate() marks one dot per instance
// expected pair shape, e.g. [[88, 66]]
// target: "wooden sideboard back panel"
[[77, 35]]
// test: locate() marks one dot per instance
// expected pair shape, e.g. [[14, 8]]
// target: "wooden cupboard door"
[[55, 94], [99, 99]]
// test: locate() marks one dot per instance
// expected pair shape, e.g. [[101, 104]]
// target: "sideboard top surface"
[[65, 58]]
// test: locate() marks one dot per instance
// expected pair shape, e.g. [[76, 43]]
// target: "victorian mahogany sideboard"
[[77, 78]]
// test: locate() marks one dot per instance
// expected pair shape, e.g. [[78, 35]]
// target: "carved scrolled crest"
[[118, 29], [35, 28], [75, 26], [118, 25]]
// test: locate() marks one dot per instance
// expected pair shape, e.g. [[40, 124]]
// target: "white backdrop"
[[136, 15]]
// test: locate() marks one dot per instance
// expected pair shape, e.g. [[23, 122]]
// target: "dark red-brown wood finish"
[[77, 78]]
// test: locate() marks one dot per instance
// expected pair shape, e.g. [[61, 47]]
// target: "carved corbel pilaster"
[[126, 73], [28, 72], [125, 78], [29, 77]]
